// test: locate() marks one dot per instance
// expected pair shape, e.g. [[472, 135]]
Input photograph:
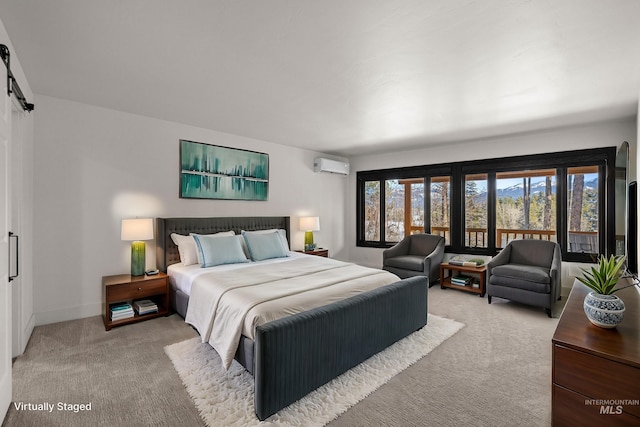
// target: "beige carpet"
[[228, 395], [496, 371]]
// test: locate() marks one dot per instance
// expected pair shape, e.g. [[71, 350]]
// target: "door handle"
[[17, 263]]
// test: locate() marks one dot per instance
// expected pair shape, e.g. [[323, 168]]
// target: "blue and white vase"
[[605, 311]]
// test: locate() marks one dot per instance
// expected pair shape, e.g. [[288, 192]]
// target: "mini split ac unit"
[[331, 166]]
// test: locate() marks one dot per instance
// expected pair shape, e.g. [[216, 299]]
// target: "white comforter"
[[224, 305]]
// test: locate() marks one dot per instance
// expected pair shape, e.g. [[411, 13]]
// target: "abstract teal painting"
[[215, 172]]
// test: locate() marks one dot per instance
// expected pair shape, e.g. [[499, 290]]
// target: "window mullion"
[[562, 202], [491, 212], [457, 210], [383, 209], [427, 204]]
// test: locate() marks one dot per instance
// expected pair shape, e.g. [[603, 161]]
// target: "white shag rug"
[[225, 398]]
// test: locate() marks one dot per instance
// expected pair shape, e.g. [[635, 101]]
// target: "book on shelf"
[[461, 280], [145, 306], [120, 307], [121, 311], [465, 261], [122, 316]]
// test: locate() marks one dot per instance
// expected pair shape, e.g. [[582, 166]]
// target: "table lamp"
[[137, 230], [309, 224]]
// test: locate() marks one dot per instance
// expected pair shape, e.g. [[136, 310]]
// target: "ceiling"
[[342, 77]]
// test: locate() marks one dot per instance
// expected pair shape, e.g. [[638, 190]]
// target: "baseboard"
[[27, 331], [19, 343], [68, 313]]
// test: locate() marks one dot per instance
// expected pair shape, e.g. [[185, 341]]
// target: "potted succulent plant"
[[603, 308]]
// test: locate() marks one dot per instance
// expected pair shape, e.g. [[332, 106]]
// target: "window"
[[372, 211], [441, 207], [525, 206], [404, 208], [479, 206], [583, 209], [413, 206], [475, 211], [394, 210]]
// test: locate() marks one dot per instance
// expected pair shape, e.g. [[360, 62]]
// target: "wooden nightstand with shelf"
[[126, 288], [317, 252]]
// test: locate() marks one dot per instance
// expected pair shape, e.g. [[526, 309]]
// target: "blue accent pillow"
[[264, 245], [218, 250]]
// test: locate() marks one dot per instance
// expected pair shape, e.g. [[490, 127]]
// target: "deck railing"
[[505, 235], [579, 241]]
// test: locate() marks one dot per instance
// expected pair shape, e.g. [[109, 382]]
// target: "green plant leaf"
[[603, 278]]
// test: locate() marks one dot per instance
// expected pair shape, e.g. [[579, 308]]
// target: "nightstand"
[[126, 288], [317, 252]]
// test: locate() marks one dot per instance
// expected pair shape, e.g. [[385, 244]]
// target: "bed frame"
[[293, 356]]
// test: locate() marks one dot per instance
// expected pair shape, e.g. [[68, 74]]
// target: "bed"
[[295, 354]]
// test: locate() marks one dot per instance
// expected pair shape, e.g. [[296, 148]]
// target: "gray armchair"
[[415, 255], [526, 271]]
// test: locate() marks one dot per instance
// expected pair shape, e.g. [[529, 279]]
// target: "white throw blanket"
[[223, 305]]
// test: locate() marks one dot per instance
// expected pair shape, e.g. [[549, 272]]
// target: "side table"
[[446, 273], [317, 252], [127, 288]]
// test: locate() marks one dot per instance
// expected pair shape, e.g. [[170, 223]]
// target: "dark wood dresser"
[[596, 372]]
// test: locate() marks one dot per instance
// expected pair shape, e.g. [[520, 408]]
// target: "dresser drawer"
[[595, 377], [567, 404], [137, 289]]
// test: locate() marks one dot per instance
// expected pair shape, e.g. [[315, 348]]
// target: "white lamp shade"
[[137, 229], [310, 223]]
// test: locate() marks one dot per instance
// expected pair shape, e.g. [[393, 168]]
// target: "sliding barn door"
[[5, 290]]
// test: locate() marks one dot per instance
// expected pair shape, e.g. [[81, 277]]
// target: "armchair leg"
[[548, 310], [489, 298]]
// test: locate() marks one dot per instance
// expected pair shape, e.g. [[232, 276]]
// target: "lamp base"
[[308, 241], [138, 259]]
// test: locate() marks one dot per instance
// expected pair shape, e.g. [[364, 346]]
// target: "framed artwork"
[[215, 172]]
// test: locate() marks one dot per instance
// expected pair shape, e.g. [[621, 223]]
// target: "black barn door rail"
[[12, 84]]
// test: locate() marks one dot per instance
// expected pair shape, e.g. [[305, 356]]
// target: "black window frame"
[[604, 158]]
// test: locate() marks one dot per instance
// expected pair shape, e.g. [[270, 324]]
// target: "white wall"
[[95, 166], [606, 134]]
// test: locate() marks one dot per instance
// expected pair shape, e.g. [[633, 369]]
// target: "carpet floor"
[[226, 397], [496, 371]]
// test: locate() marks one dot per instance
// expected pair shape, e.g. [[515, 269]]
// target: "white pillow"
[[187, 247], [217, 250]]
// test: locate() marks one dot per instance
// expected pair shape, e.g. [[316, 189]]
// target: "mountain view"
[[516, 190]]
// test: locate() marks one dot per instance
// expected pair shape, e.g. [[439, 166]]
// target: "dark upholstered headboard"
[[167, 251]]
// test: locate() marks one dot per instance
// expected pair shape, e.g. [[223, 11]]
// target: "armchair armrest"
[[501, 259], [434, 257], [400, 248], [556, 272]]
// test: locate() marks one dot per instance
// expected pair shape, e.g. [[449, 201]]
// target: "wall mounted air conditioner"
[[332, 166]]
